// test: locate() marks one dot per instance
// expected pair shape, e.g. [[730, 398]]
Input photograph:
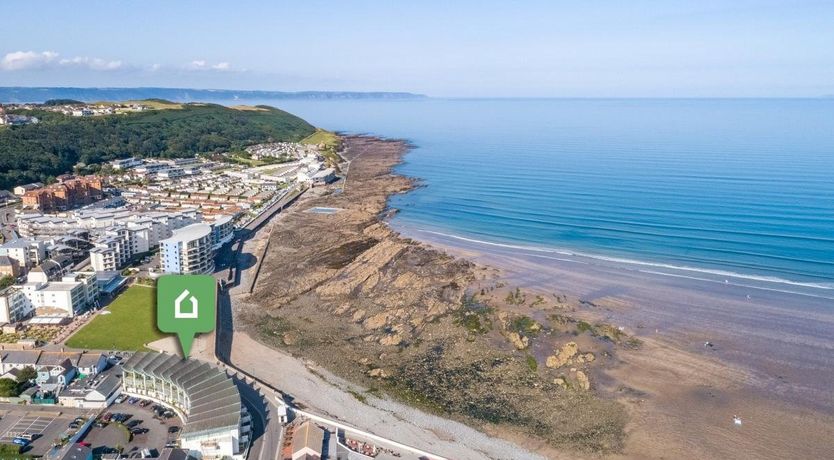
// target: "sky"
[[588, 48]]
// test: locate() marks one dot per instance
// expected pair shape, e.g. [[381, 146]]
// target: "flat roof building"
[[216, 424]]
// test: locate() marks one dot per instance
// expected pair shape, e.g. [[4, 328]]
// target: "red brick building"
[[70, 192]]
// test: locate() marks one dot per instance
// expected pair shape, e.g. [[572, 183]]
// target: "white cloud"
[[200, 64], [33, 60], [22, 60], [92, 63], [27, 60]]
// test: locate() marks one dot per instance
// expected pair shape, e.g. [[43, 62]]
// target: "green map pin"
[[186, 306]]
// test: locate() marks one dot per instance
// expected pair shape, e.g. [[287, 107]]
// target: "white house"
[[21, 189], [90, 364], [97, 394]]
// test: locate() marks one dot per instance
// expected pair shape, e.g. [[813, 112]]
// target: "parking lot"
[[47, 426], [104, 439]]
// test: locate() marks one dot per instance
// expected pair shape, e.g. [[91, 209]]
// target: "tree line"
[[59, 143]]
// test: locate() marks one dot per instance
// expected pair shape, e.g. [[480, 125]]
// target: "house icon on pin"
[[178, 310]]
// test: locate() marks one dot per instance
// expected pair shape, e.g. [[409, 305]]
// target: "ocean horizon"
[[734, 190]]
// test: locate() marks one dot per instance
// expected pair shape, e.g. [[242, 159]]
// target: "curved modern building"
[[216, 424], [189, 251]]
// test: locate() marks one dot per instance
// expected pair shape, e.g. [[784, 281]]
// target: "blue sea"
[[725, 188]]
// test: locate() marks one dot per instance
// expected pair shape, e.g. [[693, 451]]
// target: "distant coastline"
[[21, 94]]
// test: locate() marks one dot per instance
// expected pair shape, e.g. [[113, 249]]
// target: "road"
[[273, 209]]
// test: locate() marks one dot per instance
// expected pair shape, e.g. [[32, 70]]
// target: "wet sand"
[[771, 361]]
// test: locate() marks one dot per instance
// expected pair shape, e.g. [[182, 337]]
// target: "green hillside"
[[58, 143]]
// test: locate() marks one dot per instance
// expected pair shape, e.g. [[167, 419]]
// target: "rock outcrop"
[[519, 341], [562, 356]]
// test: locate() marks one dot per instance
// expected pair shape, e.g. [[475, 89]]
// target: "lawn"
[[322, 136], [129, 326]]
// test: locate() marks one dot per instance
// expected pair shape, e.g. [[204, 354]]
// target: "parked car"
[[20, 442], [173, 429]]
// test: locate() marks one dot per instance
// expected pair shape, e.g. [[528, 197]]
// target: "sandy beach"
[[769, 361], [363, 308]]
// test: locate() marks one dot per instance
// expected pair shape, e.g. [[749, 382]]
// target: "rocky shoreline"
[[438, 332]]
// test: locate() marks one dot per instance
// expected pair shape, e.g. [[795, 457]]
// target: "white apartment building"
[[120, 234], [170, 173], [14, 305], [189, 251], [126, 163], [223, 231], [104, 258], [26, 252], [74, 293], [118, 245], [37, 224], [150, 168]]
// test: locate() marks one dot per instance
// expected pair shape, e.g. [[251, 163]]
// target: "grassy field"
[[331, 145], [129, 326], [158, 104], [250, 108]]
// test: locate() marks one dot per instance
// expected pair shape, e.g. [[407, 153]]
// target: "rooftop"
[[77, 452], [17, 243], [324, 173], [308, 435], [222, 220], [215, 401], [189, 233], [60, 286]]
